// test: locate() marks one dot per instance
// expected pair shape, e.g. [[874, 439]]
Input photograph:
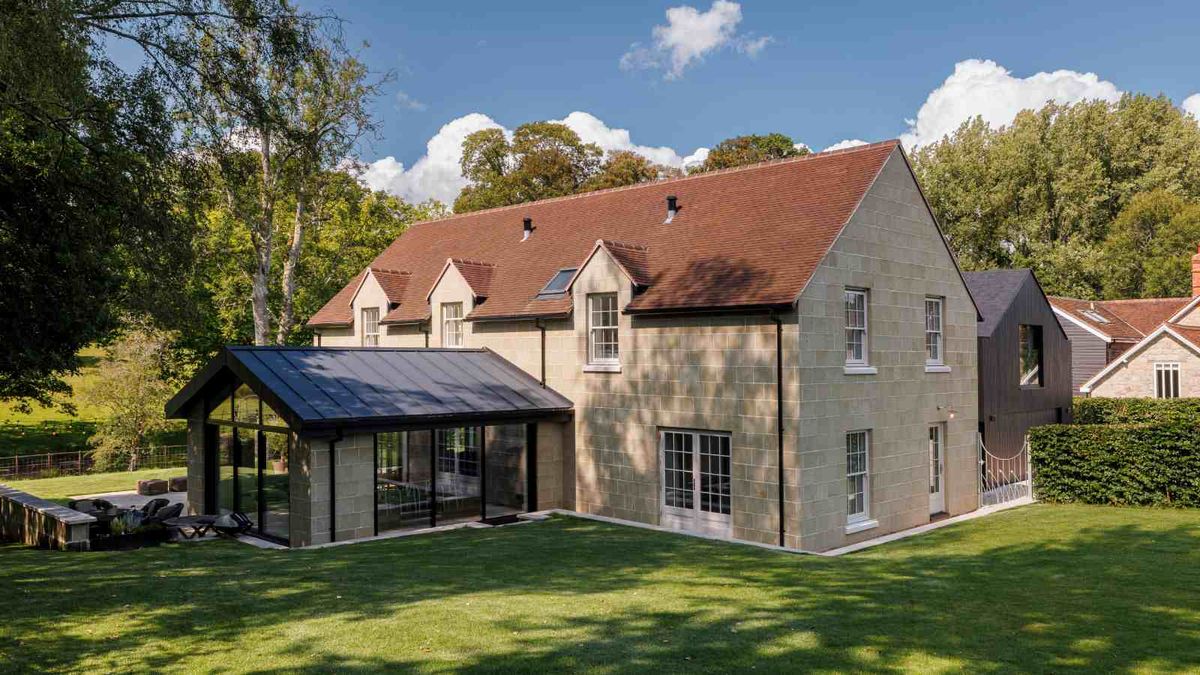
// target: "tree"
[[130, 387], [543, 160], [1150, 246], [1044, 192], [625, 167], [751, 149]]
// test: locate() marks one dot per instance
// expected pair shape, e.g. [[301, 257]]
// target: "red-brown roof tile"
[[393, 283], [751, 236], [338, 312], [1125, 320], [1189, 333], [633, 258]]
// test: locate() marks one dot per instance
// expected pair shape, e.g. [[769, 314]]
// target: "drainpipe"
[[542, 328], [426, 329], [779, 414], [333, 484]]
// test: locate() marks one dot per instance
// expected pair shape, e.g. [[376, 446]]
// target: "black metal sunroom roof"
[[326, 389]]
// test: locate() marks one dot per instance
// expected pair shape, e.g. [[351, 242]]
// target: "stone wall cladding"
[[890, 247], [195, 461], [1135, 379]]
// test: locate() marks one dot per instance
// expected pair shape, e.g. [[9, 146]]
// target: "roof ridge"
[[893, 142], [615, 243], [1179, 299], [386, 270], [467, 261]]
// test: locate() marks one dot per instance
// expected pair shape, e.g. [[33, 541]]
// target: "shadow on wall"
[[571, 594]]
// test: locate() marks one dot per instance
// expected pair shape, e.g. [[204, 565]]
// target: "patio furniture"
[[166, 513], [178, 484], [87, 505], [191, 527], [151, 486], [233, 524], [151, 507]]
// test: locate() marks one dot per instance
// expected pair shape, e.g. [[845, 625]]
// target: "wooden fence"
[[49, 464]]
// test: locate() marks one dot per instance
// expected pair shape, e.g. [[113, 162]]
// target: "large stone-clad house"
[[783, 353]]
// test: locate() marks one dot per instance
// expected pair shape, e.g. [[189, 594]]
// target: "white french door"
[[937, 469], [696, 481]]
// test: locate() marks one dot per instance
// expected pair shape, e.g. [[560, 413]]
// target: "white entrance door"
[[696, 481], [937, 467]]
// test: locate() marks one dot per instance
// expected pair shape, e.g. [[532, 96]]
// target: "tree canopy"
[[1069, 191], [751, 149]]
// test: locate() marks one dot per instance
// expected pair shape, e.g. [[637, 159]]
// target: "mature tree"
[[1044, 191], [625, 167], [131, 388], [543, 159], [89, 185], [751, 149], [1150, 246]]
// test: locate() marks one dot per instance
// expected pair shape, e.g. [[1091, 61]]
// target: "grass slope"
[[59, 489], [1038, 589]]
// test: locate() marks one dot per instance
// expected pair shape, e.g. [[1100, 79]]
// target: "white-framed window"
[[602, 329], [858, 476], [370, 326], [933, 332], [452, 324], [856, 327], [1166, 380]]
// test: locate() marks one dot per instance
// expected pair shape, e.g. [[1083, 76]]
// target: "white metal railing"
[[1004, 479]]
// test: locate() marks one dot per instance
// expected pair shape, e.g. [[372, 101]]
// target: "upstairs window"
[[1031, 355], [602, 329], [370, 326], [1166, 380], [933, 331], [452, 324], [856, 327]]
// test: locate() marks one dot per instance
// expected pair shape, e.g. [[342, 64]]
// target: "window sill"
[[860, 370], [861, 526], [936, 368], [602, 368]]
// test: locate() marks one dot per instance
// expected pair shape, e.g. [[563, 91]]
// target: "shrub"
[[1125, 464], [1138, 411]]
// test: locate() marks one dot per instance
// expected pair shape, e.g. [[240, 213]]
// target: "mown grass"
[[62, 488], [1038, 589], [44, 430]]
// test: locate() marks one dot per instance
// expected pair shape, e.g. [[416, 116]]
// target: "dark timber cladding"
[[322, 390], [1007, 300]]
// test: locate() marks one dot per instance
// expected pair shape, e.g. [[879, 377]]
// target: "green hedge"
[[1138, 411], [1125, 464]]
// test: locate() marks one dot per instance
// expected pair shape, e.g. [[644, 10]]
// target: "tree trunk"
[[287, 310], [262, 236]]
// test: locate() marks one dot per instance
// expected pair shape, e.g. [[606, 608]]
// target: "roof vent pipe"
[[528, 228], [672, 207]]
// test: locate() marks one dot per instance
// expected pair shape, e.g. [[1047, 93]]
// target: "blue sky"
[[821, 73]]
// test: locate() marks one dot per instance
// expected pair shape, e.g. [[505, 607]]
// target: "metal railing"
[[1004, 479], [50, 464]]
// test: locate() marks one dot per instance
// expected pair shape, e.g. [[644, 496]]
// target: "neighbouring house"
[[1135, 348], [1024, 359], [783, 353]]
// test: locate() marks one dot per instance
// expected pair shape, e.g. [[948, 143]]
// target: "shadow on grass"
[[571, 594]]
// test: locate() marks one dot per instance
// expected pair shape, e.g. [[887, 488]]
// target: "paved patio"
[[132, 500]]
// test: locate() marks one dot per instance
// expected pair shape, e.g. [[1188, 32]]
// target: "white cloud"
[[842, 145], [406, 102], [689, 35], [1191, 105], [986, 89], [438, 174]]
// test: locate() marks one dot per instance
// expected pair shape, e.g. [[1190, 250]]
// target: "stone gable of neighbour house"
[[695, 364], [1134, 374], [891, 248]]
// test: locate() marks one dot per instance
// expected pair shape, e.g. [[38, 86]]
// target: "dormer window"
[[370, 326], [557, 285]]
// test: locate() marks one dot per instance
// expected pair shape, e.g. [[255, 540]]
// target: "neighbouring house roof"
[[742, 238], [1120, 320], [322, 390]]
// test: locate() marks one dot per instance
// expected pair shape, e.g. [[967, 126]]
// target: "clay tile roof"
[[1189, 333], [393, 283], [338, 312], [1126, 320], [477, 274], [633, 258], [750, 236]]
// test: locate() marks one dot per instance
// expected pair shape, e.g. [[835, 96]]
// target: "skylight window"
[[558, 283], [1094, 316]]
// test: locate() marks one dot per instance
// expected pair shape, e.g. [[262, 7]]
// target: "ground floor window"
[[1166, 380], [858, 476], [696, 480]]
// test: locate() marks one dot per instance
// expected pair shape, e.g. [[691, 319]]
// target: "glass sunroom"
[[317, 445]]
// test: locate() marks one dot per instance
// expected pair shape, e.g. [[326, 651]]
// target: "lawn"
[[1037, 589], [45, 430], [60, 489]]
